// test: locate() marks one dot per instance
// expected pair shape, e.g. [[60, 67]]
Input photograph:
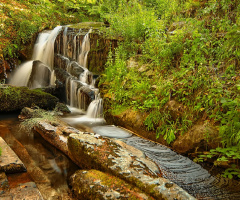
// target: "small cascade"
[[95, 109], [65, 41], [45, 47], [39, 72], [22, 74], [82, 58], [80, 89], [71, 56]]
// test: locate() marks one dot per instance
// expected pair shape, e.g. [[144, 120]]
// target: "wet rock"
[[26, 191], [4, 186], [61, 107], [27, 113], [199, 136], [16, 98], [116, 157], [37, 175], [10, 163], [54, 135], [94, 184], [100, 45], [37, 81]]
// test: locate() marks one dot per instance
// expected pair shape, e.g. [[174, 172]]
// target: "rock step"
[[10, 163], [94, 184], [26, 190]]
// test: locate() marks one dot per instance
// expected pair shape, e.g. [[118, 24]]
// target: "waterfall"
[[82, 58], [22, 74], [95, 109], [80, 90], [65, 41], [38, 72], [44, 48]]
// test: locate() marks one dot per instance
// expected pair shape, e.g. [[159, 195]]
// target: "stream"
[[48, 167]]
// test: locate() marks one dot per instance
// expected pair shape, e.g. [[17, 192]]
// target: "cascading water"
[[43, 52], [82, 59], [24, 70], [65, 40], [179, 169], [46, 53], [80, 89]]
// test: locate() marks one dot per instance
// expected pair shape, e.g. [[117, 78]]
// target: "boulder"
[[27, 190], [94, 184], [16, 98], [199, 136], [4, 185], [124, 161]]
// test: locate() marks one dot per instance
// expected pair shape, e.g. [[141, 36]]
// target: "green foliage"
[[128, 19], [229, 155], [22, 19], [190, 54], [230, 122]]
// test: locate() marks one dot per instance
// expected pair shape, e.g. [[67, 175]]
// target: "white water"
[[22, 74], [81, 91], [44, 52], [65, 41], [95, 109], [82, 58]]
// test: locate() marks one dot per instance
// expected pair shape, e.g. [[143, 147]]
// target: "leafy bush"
[[192, 52]]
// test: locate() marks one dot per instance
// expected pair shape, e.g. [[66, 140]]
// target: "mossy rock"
[[16, 98], [94, 184], [123, 161]]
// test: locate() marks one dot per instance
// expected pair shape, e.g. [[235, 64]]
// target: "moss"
[[16, 98], [101, 183]]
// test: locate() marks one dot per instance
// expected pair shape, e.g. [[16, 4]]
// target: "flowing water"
[[86, 105], [43, 53]]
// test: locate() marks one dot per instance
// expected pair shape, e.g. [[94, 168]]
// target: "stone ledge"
[[99, 185], [9, 161], [91, 151]]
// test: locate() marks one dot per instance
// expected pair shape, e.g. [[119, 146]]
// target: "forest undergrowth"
[[186, 51]]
